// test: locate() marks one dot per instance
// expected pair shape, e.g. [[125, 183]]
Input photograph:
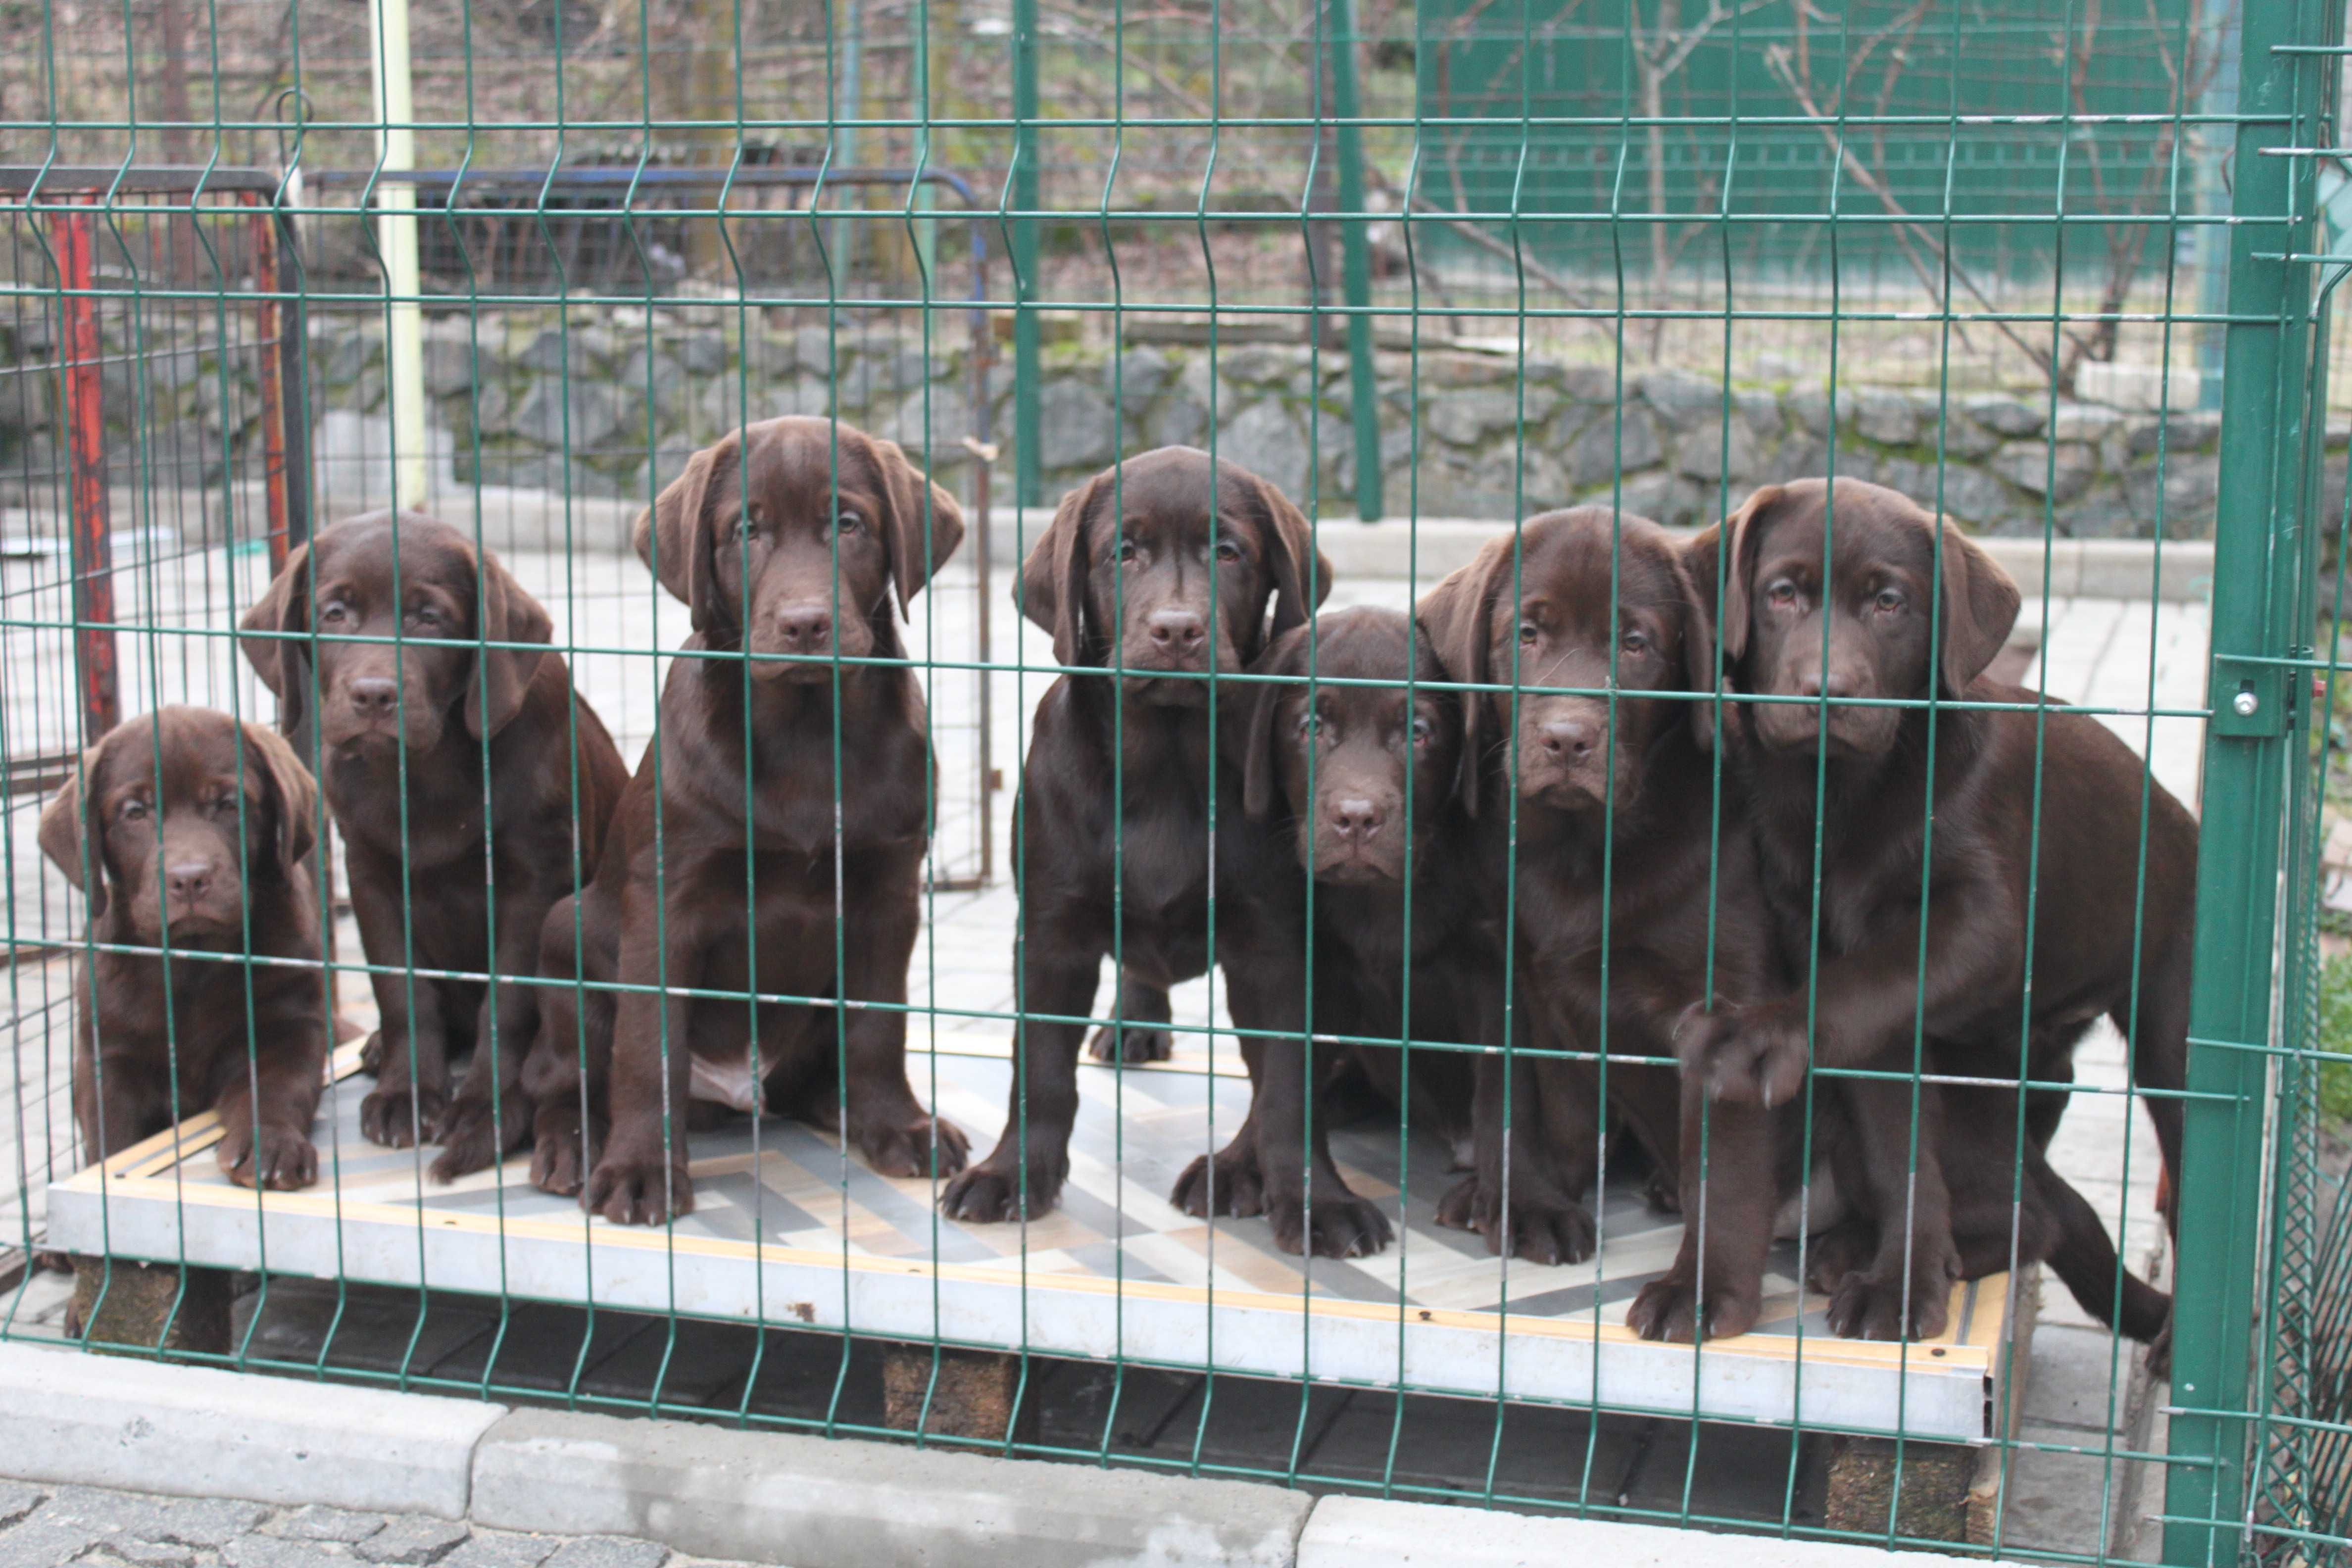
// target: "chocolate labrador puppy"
[[189, 833], [1355, 788], [1111, 828], [403, 732], [2112, 922], [713, 883], [1630, 905]]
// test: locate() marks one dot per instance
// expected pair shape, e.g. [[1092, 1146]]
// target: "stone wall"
[[604, 403]]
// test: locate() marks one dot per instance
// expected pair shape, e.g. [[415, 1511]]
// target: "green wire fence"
[[2060, 273]]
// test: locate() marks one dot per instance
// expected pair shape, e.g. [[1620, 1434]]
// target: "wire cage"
[[981, 474]]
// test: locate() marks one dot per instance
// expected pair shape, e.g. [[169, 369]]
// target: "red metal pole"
[[92, 557], [267, 319]]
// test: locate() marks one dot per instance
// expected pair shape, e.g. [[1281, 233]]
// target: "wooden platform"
[[787, 1230]]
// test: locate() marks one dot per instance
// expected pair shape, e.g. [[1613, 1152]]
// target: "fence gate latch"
[[2251, 698]]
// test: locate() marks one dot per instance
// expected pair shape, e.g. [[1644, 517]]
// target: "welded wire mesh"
[[2055, 272]]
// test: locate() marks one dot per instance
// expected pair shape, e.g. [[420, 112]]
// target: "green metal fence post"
[[1028, 477], [1355, 266], [2256, 601]]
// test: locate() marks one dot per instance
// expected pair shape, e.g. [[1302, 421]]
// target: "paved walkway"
[[47, 1527]]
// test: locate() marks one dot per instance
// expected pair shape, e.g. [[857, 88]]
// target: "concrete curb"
[[67, 1417], [1364, 1532], [817, 1502]]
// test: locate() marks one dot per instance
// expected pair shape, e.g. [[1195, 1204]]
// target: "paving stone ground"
[[47, 1527]]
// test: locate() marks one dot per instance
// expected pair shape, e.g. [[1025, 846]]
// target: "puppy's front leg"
[[887, 1121], [405, 1104], [475, 1133], [642, 1176]]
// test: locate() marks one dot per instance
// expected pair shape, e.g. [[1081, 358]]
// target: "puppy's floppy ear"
[[677, 539], [294, 795], [505, 612], [919, 540], [1742, 539], [283, 662], [1051, 591], [1696, 565], [64, 826], [1261, 770], [1980, 604], [1456, 617], [1302, 573]]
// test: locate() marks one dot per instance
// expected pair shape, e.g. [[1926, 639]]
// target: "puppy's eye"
[[425, 616], [1529, 632], [846, 521], [1127, 551], [1636, 641], [336, 611], [1889, 600], [1781, 592], [1423, 731], [1227, 551], [1309, 723], [746, 527], [131, 811]]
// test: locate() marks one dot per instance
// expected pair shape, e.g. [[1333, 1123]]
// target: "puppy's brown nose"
[[188, 881], [375, 695], [1177, 631], [806, 629], [1570, 739], [1354, 818], [1839, 684]]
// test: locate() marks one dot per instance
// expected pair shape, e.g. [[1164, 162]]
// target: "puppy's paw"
[[1668, 1308], [279, 1159], [1341, 1226], [2159, 1354], [1843, 1249], [905, 1149], [1541, 1228], [1135, 1043], [991, 1192], [1746, 1055], [561, 1154], [1225, 1182], [472, 1138], [372, 1053], [1870, 1305], [400, 1117], [638, 1190]]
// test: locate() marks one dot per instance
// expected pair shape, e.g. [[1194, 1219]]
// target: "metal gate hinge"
[[2252, 700]]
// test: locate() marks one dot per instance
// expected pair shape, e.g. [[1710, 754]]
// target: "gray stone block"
[[822, 1503], [1886, 418], [16, 1500], [2032, 466], [594, 411], [502, 1548], [1603, 450], [609, 1552], [279, 1551], [1074, 425], [1143, 374], [315, 1522], [413, 1541], [2005, 415], [192, 1522], [1264, 438], [44, 1543]]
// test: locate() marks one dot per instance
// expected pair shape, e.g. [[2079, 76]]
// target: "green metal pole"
[[1028, 481], [2257, 598], [1355, 266]]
